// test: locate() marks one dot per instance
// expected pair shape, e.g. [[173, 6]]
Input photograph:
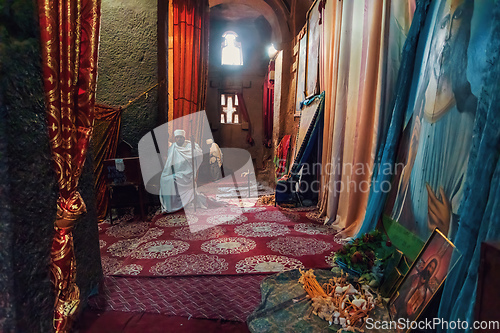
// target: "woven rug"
[[224, 241], [212, 297]]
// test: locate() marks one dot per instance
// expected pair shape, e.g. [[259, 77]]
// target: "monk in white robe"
[[177, 185]]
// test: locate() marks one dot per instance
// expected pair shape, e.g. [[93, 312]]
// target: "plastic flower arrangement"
[[365, 256]]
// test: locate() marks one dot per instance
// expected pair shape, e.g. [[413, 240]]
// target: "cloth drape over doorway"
[[351, 75], [329, 53], [268, 104], [69, 42], [188, 59]]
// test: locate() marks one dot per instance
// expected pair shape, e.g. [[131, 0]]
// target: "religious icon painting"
[[424, 278]]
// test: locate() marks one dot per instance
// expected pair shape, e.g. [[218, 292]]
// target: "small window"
[[231, 49], [229, 109]]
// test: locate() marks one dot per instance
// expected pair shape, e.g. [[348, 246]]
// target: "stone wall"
[[128, 64], [248, 79]]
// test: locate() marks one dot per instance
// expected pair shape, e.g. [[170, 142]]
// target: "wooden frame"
[[306, 51], [424, 278], [313, 41], [301, 73], [229, 91]]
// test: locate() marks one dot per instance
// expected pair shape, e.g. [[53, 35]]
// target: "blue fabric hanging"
[[480, 208], [386, 156], [285, 189], [315, 128]]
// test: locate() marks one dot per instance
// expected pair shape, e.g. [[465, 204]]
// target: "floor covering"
[[209, 267]]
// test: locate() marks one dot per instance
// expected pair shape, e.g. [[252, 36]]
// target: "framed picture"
[[424, 278], [306, 118], [313, 36], [301, 71]]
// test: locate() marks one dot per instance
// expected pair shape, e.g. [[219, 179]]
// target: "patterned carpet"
[[211, 297], [284, 239], [224, 241], [97, 321]]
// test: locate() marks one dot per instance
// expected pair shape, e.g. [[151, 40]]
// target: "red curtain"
[[69, 36], [189, 32], [282, 157], [242, 108], [105, 141], [268, 105]]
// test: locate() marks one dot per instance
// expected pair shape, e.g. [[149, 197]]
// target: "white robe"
[[215, 154], [441, 162], [179, 158]]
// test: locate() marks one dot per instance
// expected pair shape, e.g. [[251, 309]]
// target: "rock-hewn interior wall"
[[128, 63], [248, 79]]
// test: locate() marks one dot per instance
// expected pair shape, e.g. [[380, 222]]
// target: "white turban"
[[179, 132], [210, 141]]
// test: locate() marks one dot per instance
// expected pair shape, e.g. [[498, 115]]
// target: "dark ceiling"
[[234, 12]]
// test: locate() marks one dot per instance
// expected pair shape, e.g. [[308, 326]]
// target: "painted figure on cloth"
[[419, 286], [432, 183], [416, 291], [424, 278], [177, 184]]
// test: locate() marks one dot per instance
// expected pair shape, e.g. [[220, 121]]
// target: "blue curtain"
[[480, 208], [386, 156]]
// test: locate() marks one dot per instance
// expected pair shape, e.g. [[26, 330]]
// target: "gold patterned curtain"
[[69, 42]]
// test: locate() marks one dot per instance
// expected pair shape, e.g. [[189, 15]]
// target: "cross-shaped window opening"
[[229, 109]]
